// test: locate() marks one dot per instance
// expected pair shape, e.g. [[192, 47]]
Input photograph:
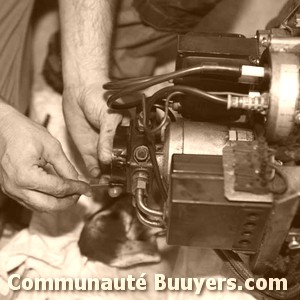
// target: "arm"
[[87, 28]]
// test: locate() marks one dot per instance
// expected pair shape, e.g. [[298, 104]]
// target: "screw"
[[294, 244], [141, 153]]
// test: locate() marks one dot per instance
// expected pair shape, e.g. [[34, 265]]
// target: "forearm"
[[86, 28]]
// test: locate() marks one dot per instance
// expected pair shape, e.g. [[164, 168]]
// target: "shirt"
[[15, 52]]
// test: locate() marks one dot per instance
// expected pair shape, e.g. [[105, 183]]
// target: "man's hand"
[[86, 30], [33, 167], [91, 124]]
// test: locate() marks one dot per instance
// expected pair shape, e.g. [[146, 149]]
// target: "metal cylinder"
[[185, 137], [284, 91]]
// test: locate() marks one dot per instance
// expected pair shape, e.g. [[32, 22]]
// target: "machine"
[[218, 167]]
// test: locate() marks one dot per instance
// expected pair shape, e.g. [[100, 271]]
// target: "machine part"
[[115, 191], [290, 10], [240, 134], [233, 261], [214, 49], [293, 239], [297, 117], [183, 137], [294, 244], [252, 167], [117, 171], [256, 103], [141, 153], [148, 216], [230, 191], [284, 95], [199, 214], [297, 20], [285, 208], [253, 71]]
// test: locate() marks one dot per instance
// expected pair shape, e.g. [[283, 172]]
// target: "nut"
[[141, 153]]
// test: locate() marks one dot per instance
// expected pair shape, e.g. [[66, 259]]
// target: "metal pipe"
[[139, 200], [147, 222]]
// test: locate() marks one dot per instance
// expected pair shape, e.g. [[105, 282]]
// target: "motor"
[[223, 153]]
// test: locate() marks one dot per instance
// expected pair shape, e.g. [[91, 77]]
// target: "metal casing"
[[199, 214]]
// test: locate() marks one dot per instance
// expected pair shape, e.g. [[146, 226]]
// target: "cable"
[[170, 114], [147, 110], [240, 270], [140, 84]]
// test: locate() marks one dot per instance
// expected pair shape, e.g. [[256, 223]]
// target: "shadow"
[[222, 18], [41, 7]]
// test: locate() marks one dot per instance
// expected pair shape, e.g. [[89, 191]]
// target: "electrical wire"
[[131, 85], [170, 114], [240, 270], [164, 119]]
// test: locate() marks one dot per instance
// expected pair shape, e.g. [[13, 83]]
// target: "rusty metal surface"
[[229, 181], [283, 213]]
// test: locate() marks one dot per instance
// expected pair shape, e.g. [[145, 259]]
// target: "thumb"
[[108, 126], [92, 164]]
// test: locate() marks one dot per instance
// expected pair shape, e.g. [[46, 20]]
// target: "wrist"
[[78, 93], [84, 73]]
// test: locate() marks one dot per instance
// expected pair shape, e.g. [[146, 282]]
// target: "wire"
[[240, 270], [129, 86], [165, 118], [229, 93], [155, 166], [279, 172], [170, 114], [125, 83]]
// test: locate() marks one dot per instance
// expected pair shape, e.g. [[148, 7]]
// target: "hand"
[[33, 168], [91, 124]]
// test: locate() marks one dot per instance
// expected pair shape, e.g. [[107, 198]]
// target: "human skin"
[[33, 167], [86, 28]]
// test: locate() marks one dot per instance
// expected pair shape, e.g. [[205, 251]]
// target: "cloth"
[[15, 62], [179, 16], [49, 247]]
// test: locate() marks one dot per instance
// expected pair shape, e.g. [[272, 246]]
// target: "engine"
[[213, 158]]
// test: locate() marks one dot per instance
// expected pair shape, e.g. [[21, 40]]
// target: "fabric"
[[15, 52], [49, 247], [136, 45], [173, 15]]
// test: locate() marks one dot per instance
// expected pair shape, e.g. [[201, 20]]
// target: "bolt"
[[115, 191], [254, 60], [297, 117], [265, 42], [294, 244], [141, 153], [297, 20]]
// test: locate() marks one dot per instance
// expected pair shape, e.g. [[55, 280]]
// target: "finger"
[[108, 128], [86, 138], [44, 203], [39, 180], [92, 164], [19, 199], [57, 158]]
